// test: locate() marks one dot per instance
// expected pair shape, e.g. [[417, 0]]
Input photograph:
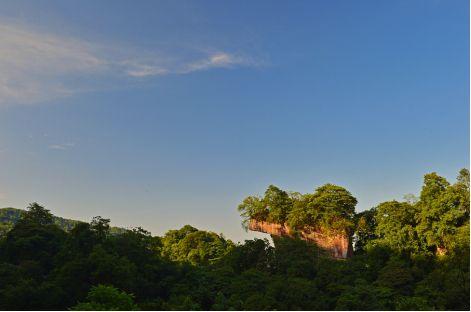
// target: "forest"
[[408, 255]]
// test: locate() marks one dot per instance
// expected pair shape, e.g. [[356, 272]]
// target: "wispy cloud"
[[146, 70], [36, 66], [32, 64], [63, 146], [219, 59]]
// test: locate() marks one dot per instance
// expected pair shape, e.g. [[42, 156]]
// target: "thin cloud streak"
[[62, 147], [38, 66], [218, 60]]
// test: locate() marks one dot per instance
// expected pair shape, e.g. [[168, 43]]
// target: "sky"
[[165, 113]]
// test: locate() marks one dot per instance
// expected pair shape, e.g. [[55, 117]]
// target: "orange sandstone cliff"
[[338, 245]]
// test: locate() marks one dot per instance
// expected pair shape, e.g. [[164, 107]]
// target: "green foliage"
[[365, 229], [10, 216], [106, 298], [101, 227], [37, 214], [278, 204], [396, 275], [301, 214], [396, 225], [335, 201], [257, 254], [330, 207], [253, 207], [442, 210], [197, 247], [364, 296], [430, 225], [294, 257], [396, 265]]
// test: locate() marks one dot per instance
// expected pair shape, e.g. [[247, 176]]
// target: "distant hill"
[[9, 216]]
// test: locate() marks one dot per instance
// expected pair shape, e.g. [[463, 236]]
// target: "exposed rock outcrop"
[[338, 245]]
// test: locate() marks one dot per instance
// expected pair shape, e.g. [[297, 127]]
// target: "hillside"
[[9, 216]]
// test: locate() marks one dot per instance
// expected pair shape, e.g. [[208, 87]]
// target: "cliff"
[[338, 245]]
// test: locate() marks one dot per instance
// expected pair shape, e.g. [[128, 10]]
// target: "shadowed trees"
[[411, 255]]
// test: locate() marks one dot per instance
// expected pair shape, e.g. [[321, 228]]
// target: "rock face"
[[339, 245]]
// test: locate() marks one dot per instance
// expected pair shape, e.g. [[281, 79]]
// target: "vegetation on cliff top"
[[411, 255], [330, 207]]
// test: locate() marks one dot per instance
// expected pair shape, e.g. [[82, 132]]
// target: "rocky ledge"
[[338, 245]]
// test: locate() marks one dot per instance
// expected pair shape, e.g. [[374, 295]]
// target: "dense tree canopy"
[[430, 225], [411, 255], [106, 298], [396, 225], [197, 247]]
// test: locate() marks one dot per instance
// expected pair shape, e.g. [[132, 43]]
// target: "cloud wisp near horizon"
[[62, 146], [38, 66]]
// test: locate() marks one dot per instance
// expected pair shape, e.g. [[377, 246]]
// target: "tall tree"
[[396, 225], [442, 209], [37, 214], [365, 229], [278, 203]]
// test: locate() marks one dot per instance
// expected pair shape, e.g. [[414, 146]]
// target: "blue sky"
[[165, 113]]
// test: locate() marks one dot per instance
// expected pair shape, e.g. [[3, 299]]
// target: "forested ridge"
[[408, 255], [10, 216]]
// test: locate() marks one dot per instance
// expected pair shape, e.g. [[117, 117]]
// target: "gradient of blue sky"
[[165, 113]]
